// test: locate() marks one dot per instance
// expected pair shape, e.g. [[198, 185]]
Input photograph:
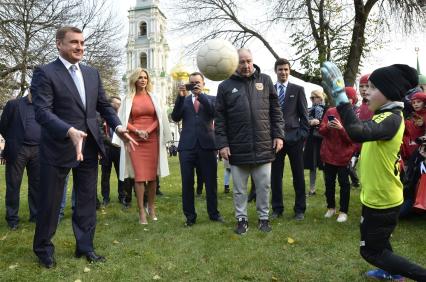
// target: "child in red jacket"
[[363, 113], [414, 126], [336, 152]]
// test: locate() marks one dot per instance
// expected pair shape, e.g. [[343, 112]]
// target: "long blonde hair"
[[134, 76]]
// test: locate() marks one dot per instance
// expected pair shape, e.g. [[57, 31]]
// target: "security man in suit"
[[293, 104], [197, 146], [22, 134]]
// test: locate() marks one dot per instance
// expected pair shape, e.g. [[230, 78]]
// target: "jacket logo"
[[259, 86], [235, 90], [380, 117], [291, 96]]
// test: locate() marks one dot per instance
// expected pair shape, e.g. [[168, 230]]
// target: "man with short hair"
[[22, 135], [249, 132], [67, 95], [196, 146], [294, 107]]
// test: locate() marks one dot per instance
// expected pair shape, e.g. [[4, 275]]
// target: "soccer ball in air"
[[217, 59]]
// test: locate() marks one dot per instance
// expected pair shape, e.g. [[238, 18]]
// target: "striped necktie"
[[281, 94]]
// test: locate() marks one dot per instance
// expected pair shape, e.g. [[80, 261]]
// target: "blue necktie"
[[281, 94], [78, 83]]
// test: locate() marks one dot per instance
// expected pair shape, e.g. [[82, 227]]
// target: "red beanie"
[[419, 96], [364, 79], [351, 93]]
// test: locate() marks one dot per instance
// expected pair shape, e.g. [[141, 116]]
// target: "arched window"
[[144, 60], [142, 29]]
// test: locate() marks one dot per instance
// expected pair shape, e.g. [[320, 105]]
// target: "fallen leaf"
[[13, 266], [103, 212], [290, 240], [86, 269], [78, 280], [145, 229], [115, 242], [3, 238], [156, 277], [106, 224], [274, 278]]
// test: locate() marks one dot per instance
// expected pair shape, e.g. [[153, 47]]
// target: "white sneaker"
[[330, 213], [342, 217]]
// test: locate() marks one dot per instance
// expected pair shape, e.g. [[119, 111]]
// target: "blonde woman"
[[146, 122], [311, 153]]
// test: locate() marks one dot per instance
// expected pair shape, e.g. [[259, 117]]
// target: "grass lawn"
[[323, 250]]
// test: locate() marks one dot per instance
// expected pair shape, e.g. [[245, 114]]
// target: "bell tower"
[[147, 46]]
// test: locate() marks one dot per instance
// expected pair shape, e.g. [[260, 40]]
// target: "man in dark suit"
[[112, 157], [294, 107], [22, 134], [67, 96], [196, 146]]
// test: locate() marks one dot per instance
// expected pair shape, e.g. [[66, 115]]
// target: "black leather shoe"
[[90, 256], [299, 216], [189, 223], [105, 202], [276, 215], [125, 204], [48, 262], [218, 219], [14, 226], [158, 192]]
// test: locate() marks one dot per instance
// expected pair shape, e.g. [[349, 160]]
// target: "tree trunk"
[[357, 41]]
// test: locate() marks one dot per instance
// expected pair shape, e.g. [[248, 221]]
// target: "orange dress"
[[145, 157]]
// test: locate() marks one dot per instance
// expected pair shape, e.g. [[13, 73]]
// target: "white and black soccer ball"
[[217, 59]]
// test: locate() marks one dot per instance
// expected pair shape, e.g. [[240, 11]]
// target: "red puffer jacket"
[[336, 147], [412, 131]]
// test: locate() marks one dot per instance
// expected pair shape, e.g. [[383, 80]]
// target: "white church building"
[[147, 46]]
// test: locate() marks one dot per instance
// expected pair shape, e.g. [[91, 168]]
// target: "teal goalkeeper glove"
[[332, 81]]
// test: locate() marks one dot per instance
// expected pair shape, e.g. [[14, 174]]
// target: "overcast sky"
[[399, 50]]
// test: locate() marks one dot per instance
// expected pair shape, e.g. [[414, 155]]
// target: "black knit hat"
[[395, 80]]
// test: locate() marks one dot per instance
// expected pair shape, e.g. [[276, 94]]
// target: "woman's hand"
[[142, 134], [314, 122]]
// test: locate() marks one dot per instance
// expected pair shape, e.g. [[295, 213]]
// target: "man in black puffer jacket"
[[248, 128]]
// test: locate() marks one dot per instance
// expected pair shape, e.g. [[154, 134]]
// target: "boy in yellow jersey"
[[381, 194]]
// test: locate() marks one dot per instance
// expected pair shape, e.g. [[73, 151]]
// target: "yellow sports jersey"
[[379, 169]]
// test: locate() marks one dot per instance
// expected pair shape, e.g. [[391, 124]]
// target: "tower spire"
[[417, 49]]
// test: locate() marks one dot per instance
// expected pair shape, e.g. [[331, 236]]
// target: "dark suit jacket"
[[59, 107], [295, 113], [12, 127], [195, 126]]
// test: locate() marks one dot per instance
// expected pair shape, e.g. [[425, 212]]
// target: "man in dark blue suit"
[[22, 134], [196, 146], [293, 104], [67, 96]]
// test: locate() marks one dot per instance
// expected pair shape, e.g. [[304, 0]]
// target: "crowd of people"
[[66, 122]]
